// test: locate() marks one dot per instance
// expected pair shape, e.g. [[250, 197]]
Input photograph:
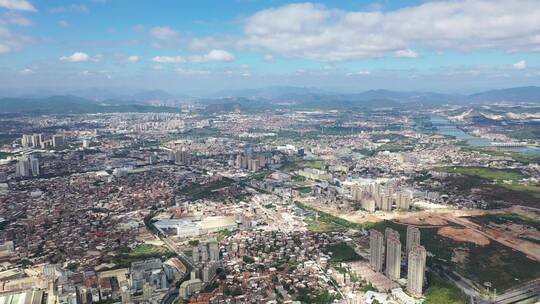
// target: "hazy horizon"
[[205, 47]]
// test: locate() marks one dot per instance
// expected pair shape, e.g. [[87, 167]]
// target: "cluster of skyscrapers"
[[206, 260], [27, 166], [415, 254], [181, 157], [39, 141], [375, 196], [251, 161]]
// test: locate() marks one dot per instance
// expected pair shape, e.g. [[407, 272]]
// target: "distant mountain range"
[[250, 99], [68, 104], [518, 94]]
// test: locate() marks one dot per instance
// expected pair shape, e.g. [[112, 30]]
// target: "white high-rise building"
[[413, 238], [376, 250], [23, 167], [416, 270], [34, 165], [393, 254]]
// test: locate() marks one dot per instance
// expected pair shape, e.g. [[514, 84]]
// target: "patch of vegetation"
[[248, 260], [304, 190], [297, 164], [508, 218], [202, 132], [298, 179], [443, 292], [334, 220], [323, 226], [530, 133], [342, 253], [390, 136], [223, 234], [365, 152], [310, 295], [125, 256], [516, 156], [197, 191], [4, 154], [489, 174]]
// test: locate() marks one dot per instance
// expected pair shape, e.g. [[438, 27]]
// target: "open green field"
[[196, 192], [342, 253], [533, 190], [125, 257], [443, 292], [516, 156], [528, 220], [490, 181], [329, 219], [489, 174], [323, 226]]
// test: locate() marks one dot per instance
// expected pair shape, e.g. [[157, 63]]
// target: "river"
[[447, 127]]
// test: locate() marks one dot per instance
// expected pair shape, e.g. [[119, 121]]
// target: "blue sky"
[[203, 46]]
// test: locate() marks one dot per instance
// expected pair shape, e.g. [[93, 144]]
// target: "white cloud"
[[10, 41], [212, 42], [191, 72], [169, 59], [26, 71], [316, 32], [213, 55], [18, 5], [163, 33], [63, 23], [520, 65], [76, 8], [269, 57], [133, 59], [76, 57], [4, 48], [359, 73], [408, 53], [12, 18]]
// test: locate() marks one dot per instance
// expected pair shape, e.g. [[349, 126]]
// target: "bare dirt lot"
[[422, 220], [463, 235]]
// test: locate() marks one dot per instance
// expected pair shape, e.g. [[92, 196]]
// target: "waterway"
[[447, 127]]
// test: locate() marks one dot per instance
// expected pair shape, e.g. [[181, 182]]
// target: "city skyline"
[[208, 46]]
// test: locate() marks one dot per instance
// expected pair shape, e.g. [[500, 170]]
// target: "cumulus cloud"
[[359, 73], [76, 8], [316, 32], [26, 71], [408, 53], [164, 33], [4, 48], [81, 57], [213, 55], [520, 65], [133, 59], [169, 59], [212, 42], [18, 5], [16, 19], [182, 71], [10, 41]]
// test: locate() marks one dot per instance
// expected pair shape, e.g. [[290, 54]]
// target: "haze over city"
[[203, 47]]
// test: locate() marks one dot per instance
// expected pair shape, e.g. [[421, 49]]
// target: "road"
[[530, 290]]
